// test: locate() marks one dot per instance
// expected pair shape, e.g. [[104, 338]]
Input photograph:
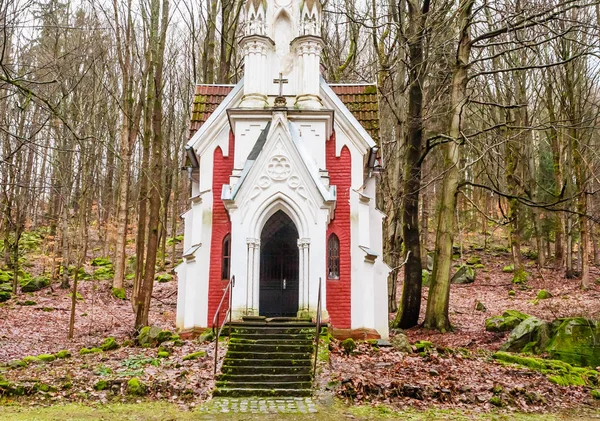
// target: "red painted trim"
[[221, 226], [339, 290]]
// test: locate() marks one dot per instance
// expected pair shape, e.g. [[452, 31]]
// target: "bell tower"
[[282, 39]]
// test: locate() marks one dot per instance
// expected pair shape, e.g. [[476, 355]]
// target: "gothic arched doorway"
[[279, 263]]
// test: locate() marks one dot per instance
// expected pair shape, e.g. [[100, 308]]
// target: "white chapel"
[[283, 169]]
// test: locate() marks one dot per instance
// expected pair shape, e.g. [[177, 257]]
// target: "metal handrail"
[[218, 328], [318, 332]]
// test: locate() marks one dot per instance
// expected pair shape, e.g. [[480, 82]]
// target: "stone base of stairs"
[[268, 358]]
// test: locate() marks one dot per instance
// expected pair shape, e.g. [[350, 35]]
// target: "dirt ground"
[[458, 375]]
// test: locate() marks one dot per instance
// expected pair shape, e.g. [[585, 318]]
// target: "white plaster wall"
[[246, 134], [312, 135]]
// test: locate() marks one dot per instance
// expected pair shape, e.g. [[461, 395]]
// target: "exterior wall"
[[339, 290], [221, 226]]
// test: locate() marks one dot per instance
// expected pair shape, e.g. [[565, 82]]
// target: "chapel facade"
[[283, 172]]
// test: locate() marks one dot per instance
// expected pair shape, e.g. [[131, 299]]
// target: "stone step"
[[237, 336], [264, 385], [230, 361], [233, 392], [266, 369], [262, 378], [268, 355], [272, 330], [278, 348]]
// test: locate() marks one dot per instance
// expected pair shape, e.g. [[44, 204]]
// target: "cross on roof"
[[281, 81]]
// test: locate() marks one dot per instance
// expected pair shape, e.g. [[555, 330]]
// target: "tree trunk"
[[408, 314], [436, 315]]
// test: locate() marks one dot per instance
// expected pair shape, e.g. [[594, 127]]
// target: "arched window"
[[226, 260], [333, 257]]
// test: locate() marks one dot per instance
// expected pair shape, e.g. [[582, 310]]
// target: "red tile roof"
[[206, 100], [361, 100]]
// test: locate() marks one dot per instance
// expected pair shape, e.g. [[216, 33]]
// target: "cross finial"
[[280, 100]]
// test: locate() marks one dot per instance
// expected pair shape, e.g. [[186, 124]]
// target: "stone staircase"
[[268, 358]]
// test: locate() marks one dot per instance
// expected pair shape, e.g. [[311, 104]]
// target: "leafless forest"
[[489, 121]]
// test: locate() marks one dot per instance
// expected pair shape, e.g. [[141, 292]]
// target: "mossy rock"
[[101, 261], [63, 354], [151, 336], [474, 260], [135, 387], [558, 372], [30, 360], [501, 323], [164, 278], [480, 307], [194, 356], [576, 342], [47, 358], [101, 385], [423, 346], [35, 284], [207, 336], [11, 389], [348, 345], [464, 275], [400, 343], [104, 273], [86, 351], [543, 295], [119, 293], [515, 313], [162, 354], [479, 266], [508, 268], [496, 401], [109, 344], [595, 393], [6, 276], [425, 277], [512, 293], [520, 277], [531, 335]]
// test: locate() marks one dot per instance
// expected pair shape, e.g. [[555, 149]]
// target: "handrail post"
[[318, 332], [216, 327]]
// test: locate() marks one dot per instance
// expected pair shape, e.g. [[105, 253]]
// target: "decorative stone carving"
[[279, 168]]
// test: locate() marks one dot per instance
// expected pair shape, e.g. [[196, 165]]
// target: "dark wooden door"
[[279, 263]]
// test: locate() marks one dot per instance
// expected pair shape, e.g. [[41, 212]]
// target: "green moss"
[[162, 354], [85, 351], [47, 358], [479, 266], [109, 344], [508, 268], [63, 354], [575, 342], [520, 277], [30, 360], [512, 293], [119, 293], [348, 345], [101, 261], [101, 385], [558, 372], [165, 277], [595, 393], [423, 346], [194, 356], [135, 387], [496, 401], [370, 89], [515, 313], [104, 273], [543, 295], [474, 260], [34, 284], [27, 303]]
